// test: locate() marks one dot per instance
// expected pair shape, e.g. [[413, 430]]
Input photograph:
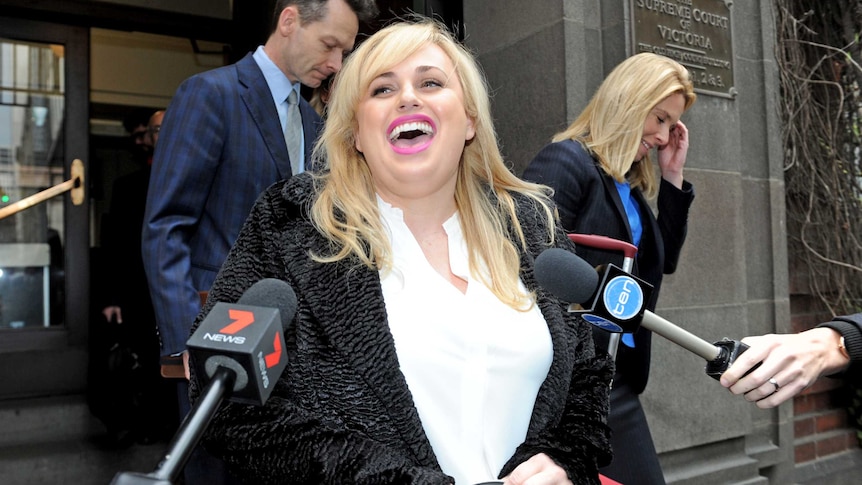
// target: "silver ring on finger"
[[774, 383]]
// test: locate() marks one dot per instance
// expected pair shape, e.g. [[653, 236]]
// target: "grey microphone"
[[565, 275]]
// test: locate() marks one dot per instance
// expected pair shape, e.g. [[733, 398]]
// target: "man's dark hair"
[[137, 117], [314, 10]]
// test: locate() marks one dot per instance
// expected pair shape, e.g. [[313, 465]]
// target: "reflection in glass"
[[32, 158]]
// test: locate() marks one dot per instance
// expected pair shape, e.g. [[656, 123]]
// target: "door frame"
[[52, 361]]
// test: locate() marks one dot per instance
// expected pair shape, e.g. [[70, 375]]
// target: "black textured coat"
[[342, 412], [850, 327]]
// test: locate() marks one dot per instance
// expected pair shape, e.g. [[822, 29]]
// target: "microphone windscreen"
[[566, 275], [272, 293]]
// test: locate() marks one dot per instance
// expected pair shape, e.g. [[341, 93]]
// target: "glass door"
[[44, 248], [32, 100]]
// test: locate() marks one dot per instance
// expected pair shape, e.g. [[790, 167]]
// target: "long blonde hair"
[[611, 126], [345, 209]]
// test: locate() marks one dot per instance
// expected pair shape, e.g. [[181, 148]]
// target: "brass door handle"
[[74, 184]]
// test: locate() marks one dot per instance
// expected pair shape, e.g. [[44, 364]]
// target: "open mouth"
[[410, 136], [411, 131]]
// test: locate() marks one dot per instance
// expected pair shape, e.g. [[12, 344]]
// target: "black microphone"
[[238, 350], [246, 338], [617, 304]]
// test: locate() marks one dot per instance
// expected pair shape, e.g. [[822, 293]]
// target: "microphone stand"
[[629, 251], [187, 437]]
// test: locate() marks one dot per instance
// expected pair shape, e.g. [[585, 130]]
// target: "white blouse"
[[473, 364]]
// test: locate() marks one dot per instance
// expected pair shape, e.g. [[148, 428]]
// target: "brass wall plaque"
[[695, 33]]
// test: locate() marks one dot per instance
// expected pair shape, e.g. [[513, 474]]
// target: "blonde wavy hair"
[[611, 126], [345, 207]]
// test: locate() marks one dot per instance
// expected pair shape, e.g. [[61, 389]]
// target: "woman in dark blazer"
[[602, 175]]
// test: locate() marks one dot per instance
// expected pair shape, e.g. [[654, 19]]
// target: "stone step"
[[40, 420], [56, 440], [78, 462]]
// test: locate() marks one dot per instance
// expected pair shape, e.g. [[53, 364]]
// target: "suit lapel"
[[649, 249], [258, 99], [614, 195], [312, 125], [647, 221]]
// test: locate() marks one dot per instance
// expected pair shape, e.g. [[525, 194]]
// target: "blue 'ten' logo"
[[623, 297]]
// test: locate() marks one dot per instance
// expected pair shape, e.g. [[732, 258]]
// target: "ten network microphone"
[[617, 304], [238, 351]]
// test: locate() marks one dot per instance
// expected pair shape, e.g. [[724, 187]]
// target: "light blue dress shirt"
[[280, 87]]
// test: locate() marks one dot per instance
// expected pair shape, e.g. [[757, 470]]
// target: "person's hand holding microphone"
[[790, 363]]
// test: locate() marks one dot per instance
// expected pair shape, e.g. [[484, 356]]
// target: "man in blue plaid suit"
[[222, 142]]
